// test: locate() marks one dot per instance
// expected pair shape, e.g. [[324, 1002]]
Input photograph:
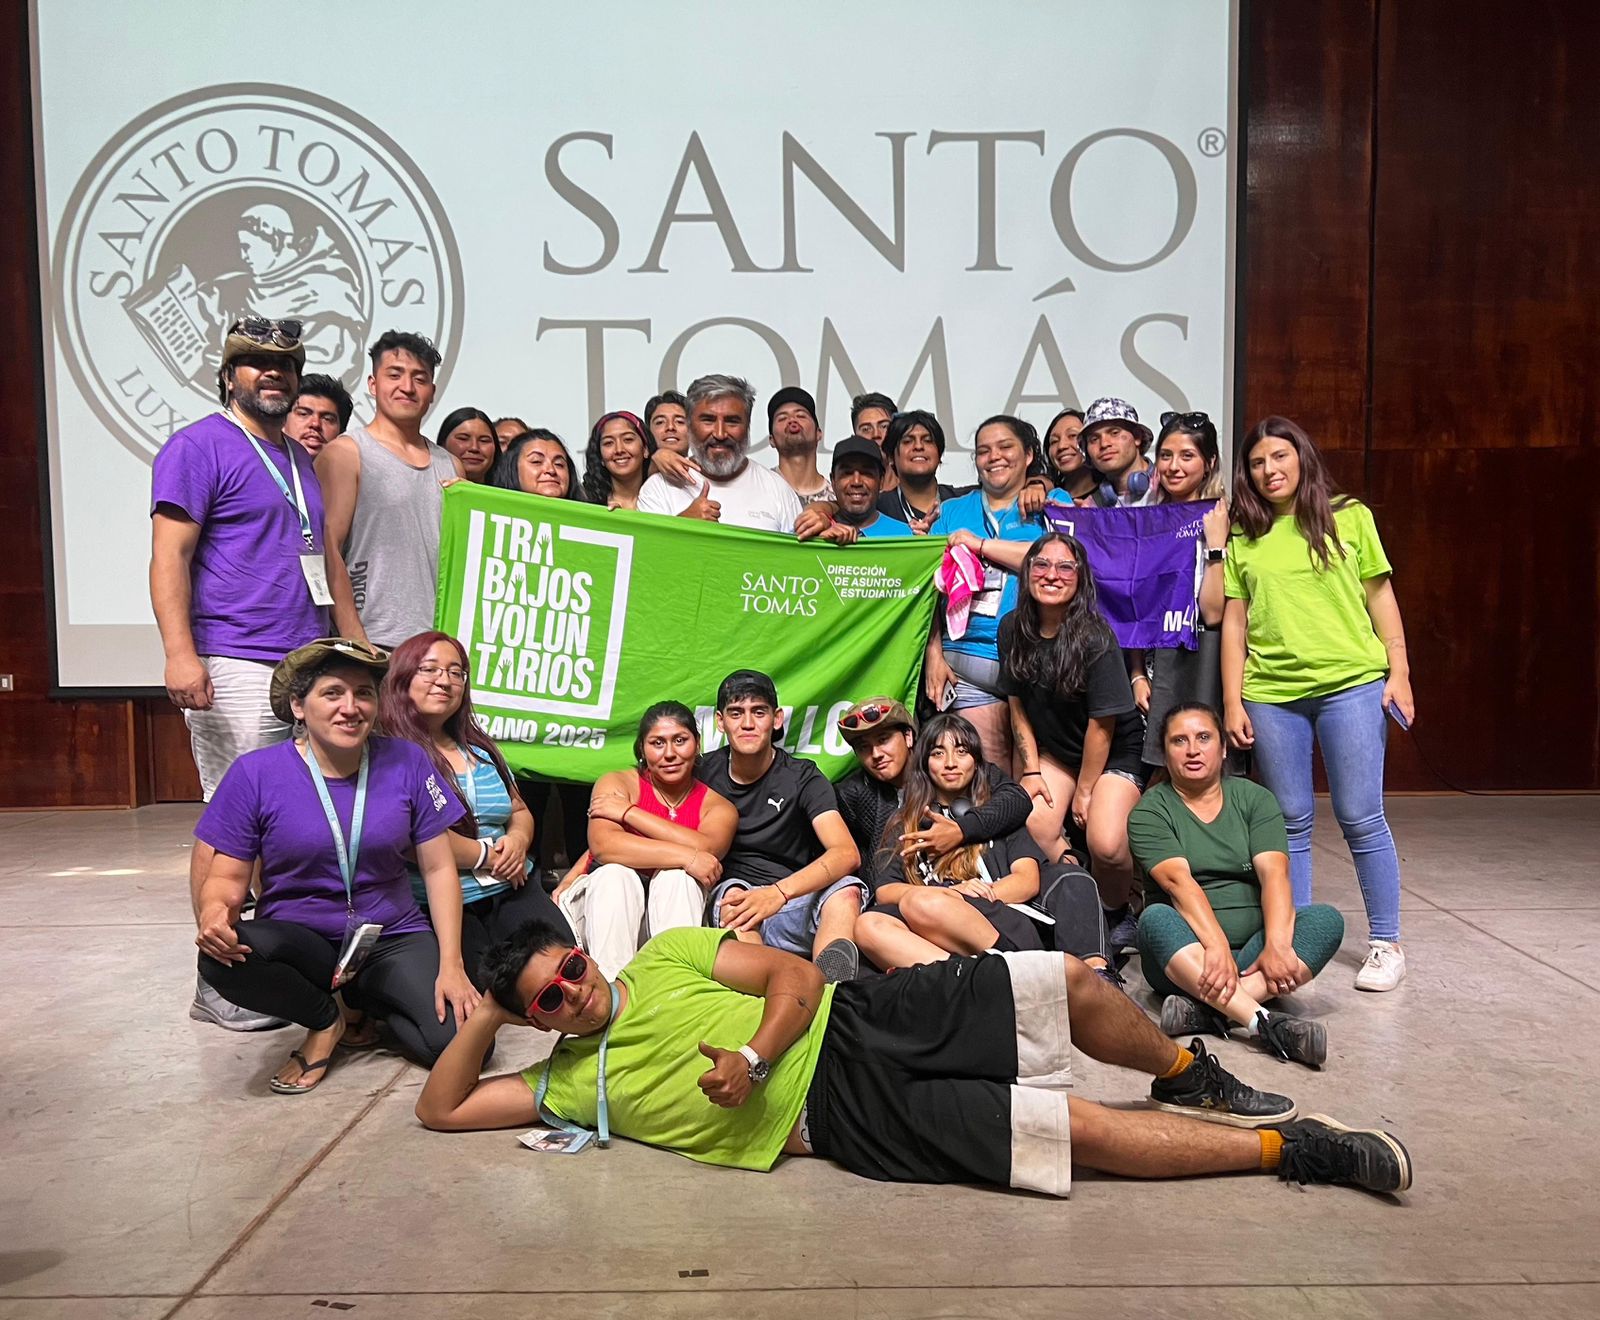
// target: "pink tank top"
[[687, 815]]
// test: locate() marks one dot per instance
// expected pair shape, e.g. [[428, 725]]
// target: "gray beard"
[[250, 402], [719, 468]]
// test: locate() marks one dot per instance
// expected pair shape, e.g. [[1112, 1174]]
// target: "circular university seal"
[[235, 201]]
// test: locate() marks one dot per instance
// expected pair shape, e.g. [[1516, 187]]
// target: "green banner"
[[577, 620]]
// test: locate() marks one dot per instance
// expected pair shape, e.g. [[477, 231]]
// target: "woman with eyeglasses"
[[617, 461], [1068, 465], [1077, 730], [332, 817], [657, 836], [1188, 471], [1314, 651], [427, 700], [930, 904]]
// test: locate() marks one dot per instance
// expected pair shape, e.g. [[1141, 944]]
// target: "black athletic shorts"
[[954, 1072]]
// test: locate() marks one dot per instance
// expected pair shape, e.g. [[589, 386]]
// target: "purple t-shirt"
[[248, 597], [267, 806]]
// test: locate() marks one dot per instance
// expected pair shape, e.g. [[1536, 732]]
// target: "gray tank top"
[[392, 551]]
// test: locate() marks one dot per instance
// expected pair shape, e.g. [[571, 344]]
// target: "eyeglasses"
[[259, 330], [574, 967], [1060, 567], [865, 717], [1189, 421], [433, 673]]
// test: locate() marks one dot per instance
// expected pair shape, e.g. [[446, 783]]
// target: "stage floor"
[[148, 1171]]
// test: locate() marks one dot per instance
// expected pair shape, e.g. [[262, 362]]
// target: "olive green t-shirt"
[[1309, 632], [1220, 855], [653, 1063]]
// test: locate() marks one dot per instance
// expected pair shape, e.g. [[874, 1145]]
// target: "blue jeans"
[[1350, 727], [793, 927]]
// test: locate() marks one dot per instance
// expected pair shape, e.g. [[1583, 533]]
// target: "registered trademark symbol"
[[1213, 141]]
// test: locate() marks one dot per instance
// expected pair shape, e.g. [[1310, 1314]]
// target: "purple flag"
[[1146, 564]]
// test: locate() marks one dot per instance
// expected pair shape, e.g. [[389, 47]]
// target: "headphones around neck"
[[1105, 494]]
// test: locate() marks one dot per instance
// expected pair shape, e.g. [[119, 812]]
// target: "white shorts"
[[240, 719]]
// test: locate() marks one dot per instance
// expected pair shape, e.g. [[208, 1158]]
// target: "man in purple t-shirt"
[[237, 577]]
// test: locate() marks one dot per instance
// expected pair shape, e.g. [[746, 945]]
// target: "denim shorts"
[[792, 927]]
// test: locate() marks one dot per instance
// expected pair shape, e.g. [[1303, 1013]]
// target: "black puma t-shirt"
[[775, 837]]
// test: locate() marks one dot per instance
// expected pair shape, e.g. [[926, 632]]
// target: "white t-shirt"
[[757, 497]]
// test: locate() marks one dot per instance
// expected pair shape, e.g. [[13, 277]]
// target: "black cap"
[[857, 447], [790, 394], [746, 683]]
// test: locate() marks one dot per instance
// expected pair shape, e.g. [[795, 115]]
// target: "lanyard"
[[347, 853], [602, 1112], [469, 781], [298, 497]]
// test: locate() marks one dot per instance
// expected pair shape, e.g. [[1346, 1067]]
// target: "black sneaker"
[[1297, 1039], [839, 961], [1207, 1090], [1319, 1150], [1183, 1016]]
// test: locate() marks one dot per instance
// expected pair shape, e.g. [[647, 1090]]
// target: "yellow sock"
[[1184, 1060], [1271, 1148]]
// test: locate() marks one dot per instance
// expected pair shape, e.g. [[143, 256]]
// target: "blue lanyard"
[[602, 1112], [298, 497], [347, 853], [469, 781]]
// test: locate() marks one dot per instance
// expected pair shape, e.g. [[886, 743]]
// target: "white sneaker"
[[1384, 968], [209, 1006]]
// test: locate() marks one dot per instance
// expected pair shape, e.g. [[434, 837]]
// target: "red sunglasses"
[[865, 717], [574, 967]]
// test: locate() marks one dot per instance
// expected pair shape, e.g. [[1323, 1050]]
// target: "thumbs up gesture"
[[703, 506], [727, 1082]]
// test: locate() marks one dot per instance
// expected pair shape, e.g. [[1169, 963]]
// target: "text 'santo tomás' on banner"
[[576, 620], [1147, 567]]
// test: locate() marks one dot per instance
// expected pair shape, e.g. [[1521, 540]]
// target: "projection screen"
[[974, 209]]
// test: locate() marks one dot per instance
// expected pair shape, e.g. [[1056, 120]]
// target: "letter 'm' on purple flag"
[[1147, 565]]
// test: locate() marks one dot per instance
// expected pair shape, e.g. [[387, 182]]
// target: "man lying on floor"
[[735, 1053]]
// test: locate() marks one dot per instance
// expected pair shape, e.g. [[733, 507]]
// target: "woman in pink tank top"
[[656, 839]]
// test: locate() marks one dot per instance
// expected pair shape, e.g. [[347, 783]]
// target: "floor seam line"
[[312, 1165], [1523, 953]]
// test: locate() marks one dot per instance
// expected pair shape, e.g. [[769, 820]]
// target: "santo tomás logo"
[[242, 200]]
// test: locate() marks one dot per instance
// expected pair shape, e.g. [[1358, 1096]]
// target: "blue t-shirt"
[[485, 792], [972, 513], [884, 525]]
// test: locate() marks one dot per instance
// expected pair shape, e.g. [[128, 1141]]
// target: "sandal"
[[306, 1069]]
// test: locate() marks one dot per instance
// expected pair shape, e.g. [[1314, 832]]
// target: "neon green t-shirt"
[[654, 1064], [1309, 632]]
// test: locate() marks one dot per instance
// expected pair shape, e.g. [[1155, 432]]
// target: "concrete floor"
[[148, 1172]]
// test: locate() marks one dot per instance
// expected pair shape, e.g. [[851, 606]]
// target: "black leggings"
[[289, 968], [1068, 894], [489, 920]]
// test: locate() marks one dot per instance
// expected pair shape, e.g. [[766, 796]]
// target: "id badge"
[[359, 938], [315, 570], [987, 601], [553, 1141]]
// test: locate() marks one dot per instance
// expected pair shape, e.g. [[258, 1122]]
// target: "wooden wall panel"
[[52, 753], [1308, 117]]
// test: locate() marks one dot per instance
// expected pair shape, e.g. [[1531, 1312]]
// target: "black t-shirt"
[[999, 856], [895, 505], [776, 836], [1059, 722]]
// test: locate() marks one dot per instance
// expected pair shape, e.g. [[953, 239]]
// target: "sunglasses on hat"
[[574, 967], [865, 717], [260, 330]]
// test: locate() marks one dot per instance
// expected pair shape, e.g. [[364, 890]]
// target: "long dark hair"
[[465, 415], [1059, 664], [920, 795], [1314, 501], [399, 717], [1056, 475], [504, 472], [596, 476]]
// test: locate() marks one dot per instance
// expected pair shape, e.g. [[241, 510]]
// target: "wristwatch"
[[760, 1069], [1215, 554]]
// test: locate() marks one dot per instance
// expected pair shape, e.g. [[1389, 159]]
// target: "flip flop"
[[292, 1088]]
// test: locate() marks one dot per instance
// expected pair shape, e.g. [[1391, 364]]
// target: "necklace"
[[672, 807]]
